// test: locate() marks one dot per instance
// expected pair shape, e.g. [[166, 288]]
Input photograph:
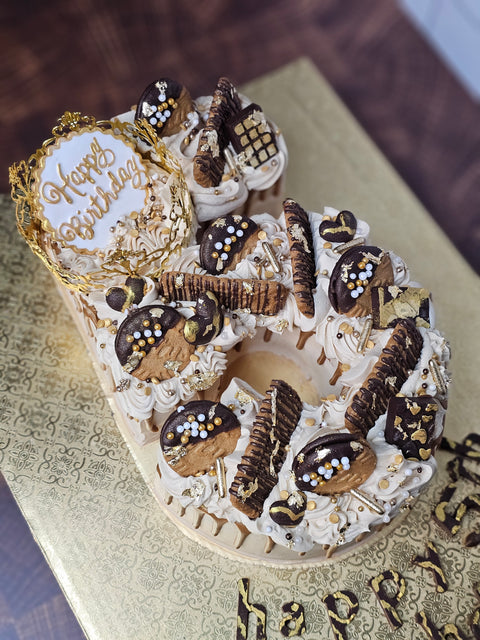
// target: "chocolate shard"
[[389, 304], [257, 296], [257, 472], [302, 256], [410, 425]]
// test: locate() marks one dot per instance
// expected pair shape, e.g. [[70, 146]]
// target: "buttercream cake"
[[287, 372]]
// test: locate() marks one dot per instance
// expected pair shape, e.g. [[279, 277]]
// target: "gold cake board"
[[124, 566]]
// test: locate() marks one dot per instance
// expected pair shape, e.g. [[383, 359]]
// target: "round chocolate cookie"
[[207, 322], [341, 229], [353, 276], [150, 344], [121, 298], [289, 512], [334, 463], [165, 105], [226, 241], [196, 434]]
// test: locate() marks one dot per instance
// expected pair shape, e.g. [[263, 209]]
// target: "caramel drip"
[[322, 357], [267, 335], [303, 337], [338, 372]]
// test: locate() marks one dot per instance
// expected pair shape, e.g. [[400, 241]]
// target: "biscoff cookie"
[[255, 296], [353, 276], [398, 358], [150, 343], [302, 256], [272, 428], [197, 434], [209, 160]]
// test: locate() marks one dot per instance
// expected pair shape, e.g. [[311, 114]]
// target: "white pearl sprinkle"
[[137, 335], [203, 434], [228, 241], [201, 417], [408, 472], [354, 294], [147, 333], [346, 466], [153, 121], [162, 97], [180, 428], [186, 425], [335, 462], [321, 470], [268, 529], [386, 518], [194, 433], [167, 113], [306, 477], [360, 289], [230, 229], [432, 388], [224, 256], [313, 483], [353, 276], [180, 409], [362, 275], [298, 540], [239, 233], [157, 333], [218, 245], [344, 460]]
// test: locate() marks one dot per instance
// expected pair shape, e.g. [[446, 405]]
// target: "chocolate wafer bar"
[[399, 355], [209, 161], [257, 296], [265, 454], [302, 256]]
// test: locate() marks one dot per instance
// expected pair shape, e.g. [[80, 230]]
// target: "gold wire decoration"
[[120, 262]]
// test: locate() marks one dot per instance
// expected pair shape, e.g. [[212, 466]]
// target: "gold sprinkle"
[[201, 348], [148, 391], [284, 494], [310, 422], [268, 274], [194, 357], [277, 242], [311, 505], [133, 215], [398, 459], [333, 517], [327, 245], [384, 484], [262, 235], [218, 347], [155, 380]]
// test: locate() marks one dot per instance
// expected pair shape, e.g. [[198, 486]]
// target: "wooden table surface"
[[98, 57]]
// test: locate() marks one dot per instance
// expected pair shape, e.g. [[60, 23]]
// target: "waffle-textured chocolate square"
[[410, 425], [391, 303], [251, 136]]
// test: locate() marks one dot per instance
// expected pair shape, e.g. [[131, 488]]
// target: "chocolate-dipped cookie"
[[165, 104], [289, 512], [206, 323], [410, 425], [132, 292], [226, 241], [256, 296], [341, 229], [334, 463], [257, 472], [397, 359], [150, 343], [209, 161], [389, 304], [302, 256], [353, 276], [195, 435]]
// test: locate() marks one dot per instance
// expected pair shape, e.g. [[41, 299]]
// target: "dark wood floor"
[[98, 57]]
